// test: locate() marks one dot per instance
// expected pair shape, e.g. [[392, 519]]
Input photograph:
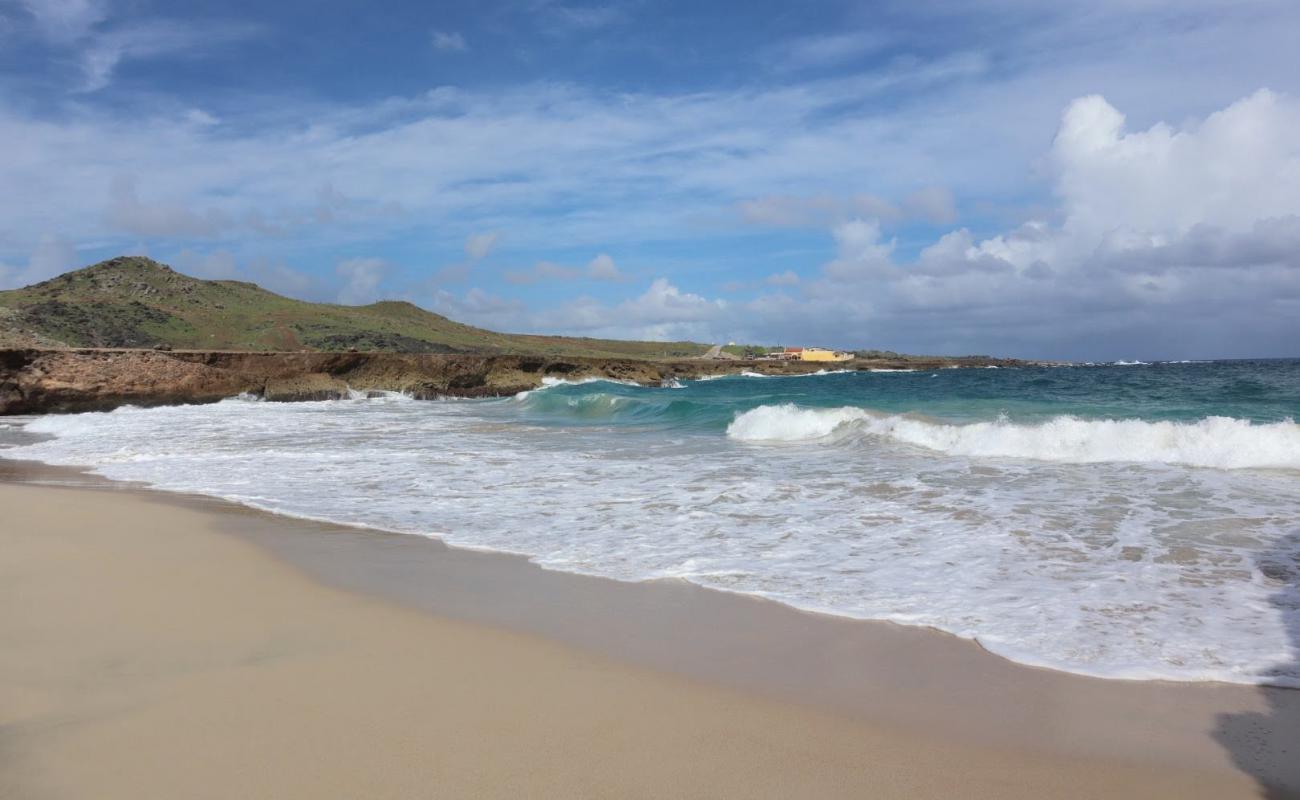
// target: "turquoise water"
[[1136, 521], [1257, 391]]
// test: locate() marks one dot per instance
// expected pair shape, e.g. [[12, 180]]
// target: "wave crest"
[[1216, 442]]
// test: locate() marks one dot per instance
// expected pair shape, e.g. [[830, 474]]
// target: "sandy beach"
[[147, 651]]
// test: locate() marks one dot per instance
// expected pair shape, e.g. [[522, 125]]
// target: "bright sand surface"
[[146, 652]]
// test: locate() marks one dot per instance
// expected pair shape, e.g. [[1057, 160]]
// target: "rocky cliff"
[[34, 381]]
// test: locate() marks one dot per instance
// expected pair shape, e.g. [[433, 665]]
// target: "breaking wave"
[[1169, 555], [1216, 442]]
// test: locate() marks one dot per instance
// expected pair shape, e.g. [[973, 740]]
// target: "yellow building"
[[822, 354]]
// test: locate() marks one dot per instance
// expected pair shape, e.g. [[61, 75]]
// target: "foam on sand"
[[1112, 547]]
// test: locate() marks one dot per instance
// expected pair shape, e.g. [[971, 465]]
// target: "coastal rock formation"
[[34, 381]]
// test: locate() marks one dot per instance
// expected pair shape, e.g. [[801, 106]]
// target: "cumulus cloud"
[[658, 159], [663, 312], [1149, 223], [361, 280], [1177, 242], [1170, 236], [644, 164], [1239, 165]]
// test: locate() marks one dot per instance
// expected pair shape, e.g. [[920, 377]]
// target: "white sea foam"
[[789, 423], [1139, 569], [1218, 442], [1130, 363], [750, 374], [549, 382]]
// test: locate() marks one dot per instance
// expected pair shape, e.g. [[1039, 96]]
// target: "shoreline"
[[913, 682], [22, 471]]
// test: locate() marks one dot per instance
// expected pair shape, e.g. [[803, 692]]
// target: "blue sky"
[[1079, 180]]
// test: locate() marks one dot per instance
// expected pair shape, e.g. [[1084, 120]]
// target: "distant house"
[[788, 354], [820, 354], [806, 354]]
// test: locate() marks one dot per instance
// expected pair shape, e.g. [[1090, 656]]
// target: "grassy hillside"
[[137, 302]]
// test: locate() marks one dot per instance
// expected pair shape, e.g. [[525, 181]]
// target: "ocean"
[[1125, 521]]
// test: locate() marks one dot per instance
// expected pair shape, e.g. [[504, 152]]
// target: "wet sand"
[[146, 651]]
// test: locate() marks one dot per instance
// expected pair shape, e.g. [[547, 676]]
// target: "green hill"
[[137, 302]]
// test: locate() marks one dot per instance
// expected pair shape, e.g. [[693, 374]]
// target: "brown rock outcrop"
[[36, 381]]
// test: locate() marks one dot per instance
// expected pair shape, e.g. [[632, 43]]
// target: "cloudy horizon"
[[1094, 181]]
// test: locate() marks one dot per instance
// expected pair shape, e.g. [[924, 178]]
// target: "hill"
[[137, 302]]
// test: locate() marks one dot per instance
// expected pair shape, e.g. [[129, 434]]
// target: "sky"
[[1112, 179]]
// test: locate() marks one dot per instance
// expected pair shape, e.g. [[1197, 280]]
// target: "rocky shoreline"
[[39, 381]]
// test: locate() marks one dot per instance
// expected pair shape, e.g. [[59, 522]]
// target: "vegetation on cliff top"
[[138, 302]]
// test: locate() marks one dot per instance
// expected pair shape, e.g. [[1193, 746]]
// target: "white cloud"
[[1237, 166], [274, 276], [66, 21], [197, 116], [600, 268], [104, 51], [862, 253], [1136, 209], [645, 165], [826, 50], [541, 272], [603, 268], [787, 278], [52, 256], [283, 279], [86, 28], [217, 265], [1176, 242], [561, 19], [479, 245], [662, 312], [126, 212], [932, 203], [448, 42], [817, 211], [362, 277], [481, 308]]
